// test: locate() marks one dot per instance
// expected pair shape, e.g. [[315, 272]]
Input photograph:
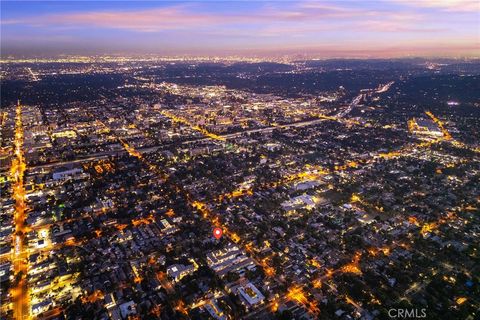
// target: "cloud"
[[397, 22], [187, 16], [272, 19], [472, 6], [151, 20]]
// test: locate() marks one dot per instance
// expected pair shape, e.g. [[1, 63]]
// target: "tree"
[[285, 315]]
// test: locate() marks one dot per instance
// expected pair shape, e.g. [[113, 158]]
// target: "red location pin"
[[217, 233]]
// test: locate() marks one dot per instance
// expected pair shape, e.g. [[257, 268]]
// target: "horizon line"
[[232, 56]]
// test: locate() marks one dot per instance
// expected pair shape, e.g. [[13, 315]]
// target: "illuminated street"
[[20, 295]]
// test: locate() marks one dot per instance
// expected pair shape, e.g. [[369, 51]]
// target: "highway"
[[358, 98], [34, 76], [350, 107]]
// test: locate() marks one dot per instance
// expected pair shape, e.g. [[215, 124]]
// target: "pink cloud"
[[445, 5], [184, 17], [151, 20]]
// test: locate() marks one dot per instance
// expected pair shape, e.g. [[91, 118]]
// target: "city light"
[[237, 187]]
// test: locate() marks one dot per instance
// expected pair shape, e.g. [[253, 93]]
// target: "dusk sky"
[[393, 28]]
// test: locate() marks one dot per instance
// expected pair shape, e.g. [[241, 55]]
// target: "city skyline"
[[325, 29]]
